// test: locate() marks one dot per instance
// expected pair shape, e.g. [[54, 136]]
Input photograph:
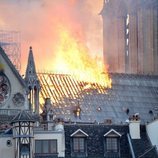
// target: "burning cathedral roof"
[[76, 101]]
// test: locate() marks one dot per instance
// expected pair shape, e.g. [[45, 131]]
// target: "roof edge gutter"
[[153, 147], [131, 147]]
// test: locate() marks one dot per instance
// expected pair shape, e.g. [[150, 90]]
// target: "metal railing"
[[9, 112]]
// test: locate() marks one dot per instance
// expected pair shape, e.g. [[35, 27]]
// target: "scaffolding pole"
[[10, 42]]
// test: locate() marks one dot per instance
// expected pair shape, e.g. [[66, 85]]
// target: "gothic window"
[[127, 34], [5, 88], [18, 99], [127, 42], [45, 147]]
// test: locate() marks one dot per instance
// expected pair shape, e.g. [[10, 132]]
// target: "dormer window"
[[112, 144], [79, 144]]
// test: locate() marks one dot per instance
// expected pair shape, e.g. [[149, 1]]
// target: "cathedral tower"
[[130, 36]]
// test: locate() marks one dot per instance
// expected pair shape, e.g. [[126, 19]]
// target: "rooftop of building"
[[142, 147], [130, 96]]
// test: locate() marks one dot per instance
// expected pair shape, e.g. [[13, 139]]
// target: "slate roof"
[[5, 118], [96, 139], [130, 94], [23, 116], [6, 115], [143, 147], [12, 67]]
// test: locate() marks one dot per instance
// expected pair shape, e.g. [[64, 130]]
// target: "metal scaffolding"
[[10, 42]]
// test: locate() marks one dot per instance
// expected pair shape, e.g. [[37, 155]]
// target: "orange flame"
[[73, 58]]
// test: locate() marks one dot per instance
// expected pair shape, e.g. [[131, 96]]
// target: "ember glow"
[[81, 73], [66, 35], [73, 58]]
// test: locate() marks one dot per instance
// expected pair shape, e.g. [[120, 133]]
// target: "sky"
[[42, 22]]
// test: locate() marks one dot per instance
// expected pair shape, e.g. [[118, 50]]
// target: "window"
[[24, 149], [127, 42], [78, 145], [111, 145], [45, 146], [38, 146]]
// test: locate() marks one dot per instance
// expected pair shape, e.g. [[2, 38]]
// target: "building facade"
[[130, 36], [111, 123]]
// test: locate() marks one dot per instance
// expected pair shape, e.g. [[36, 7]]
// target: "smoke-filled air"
[[66, 35]]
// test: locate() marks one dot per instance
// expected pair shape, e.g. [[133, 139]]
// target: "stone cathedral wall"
[[130, 36]]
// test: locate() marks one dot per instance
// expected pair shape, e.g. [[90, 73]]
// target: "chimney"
[[134, 126]]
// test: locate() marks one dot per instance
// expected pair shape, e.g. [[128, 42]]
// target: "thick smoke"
[[39, 20]]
